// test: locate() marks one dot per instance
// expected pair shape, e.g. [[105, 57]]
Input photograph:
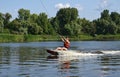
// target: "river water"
[[31, 60]]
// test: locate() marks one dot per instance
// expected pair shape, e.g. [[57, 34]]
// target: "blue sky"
[[89, 9]]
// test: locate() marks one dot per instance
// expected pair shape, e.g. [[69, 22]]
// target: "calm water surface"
[[31, 60]]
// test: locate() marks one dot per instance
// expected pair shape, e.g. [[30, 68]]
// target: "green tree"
[[7, 18], [73, 29], [112, 28], [34, 29], [65, 16], [44, 22], [116, 18], [14, 26], [23, 14], [18, 27], [105, 15], [1, 22], [88, 27], [54, 23], [105, 27], [33, 18]]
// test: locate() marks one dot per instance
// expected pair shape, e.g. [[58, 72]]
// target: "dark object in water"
[[52, 57], [52, 52], [98, 52]]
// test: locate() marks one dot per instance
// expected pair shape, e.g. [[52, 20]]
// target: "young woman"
[[66, 44]]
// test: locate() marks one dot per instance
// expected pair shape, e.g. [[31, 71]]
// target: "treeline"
[[66, 22]]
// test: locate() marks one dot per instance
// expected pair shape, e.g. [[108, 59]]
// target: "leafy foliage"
[[66, 16], [66, 22], [72, 29]]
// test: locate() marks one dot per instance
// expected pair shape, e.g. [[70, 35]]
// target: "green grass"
[[11, 38], [81, 37], [108, 37], [34, 38], [40, 38], [26, 38]]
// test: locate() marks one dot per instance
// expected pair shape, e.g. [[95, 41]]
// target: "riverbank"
[[98, 37], [33, 38], [26, 38]]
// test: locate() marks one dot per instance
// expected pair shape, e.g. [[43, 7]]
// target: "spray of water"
[[73, 55]]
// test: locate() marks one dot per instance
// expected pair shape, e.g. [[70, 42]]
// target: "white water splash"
[[111, 52], [76, 53], [73, 55]]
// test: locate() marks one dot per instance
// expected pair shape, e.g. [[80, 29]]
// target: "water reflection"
[[110, 64], [28, 61], [66, 68], [65, 65], [20, 60], [101, 66], [69, 69]]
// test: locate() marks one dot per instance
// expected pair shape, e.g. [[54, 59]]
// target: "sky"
[[89, 9]]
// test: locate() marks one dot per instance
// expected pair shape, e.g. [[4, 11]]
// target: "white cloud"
[[104, 4], [67, 5], [79, 7], [60, 5], [105, 1]]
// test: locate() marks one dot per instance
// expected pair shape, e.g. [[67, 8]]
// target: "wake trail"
[[111, 52], [72, 55]]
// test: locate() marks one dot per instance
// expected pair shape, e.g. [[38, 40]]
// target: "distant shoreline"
[[37, 38]]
